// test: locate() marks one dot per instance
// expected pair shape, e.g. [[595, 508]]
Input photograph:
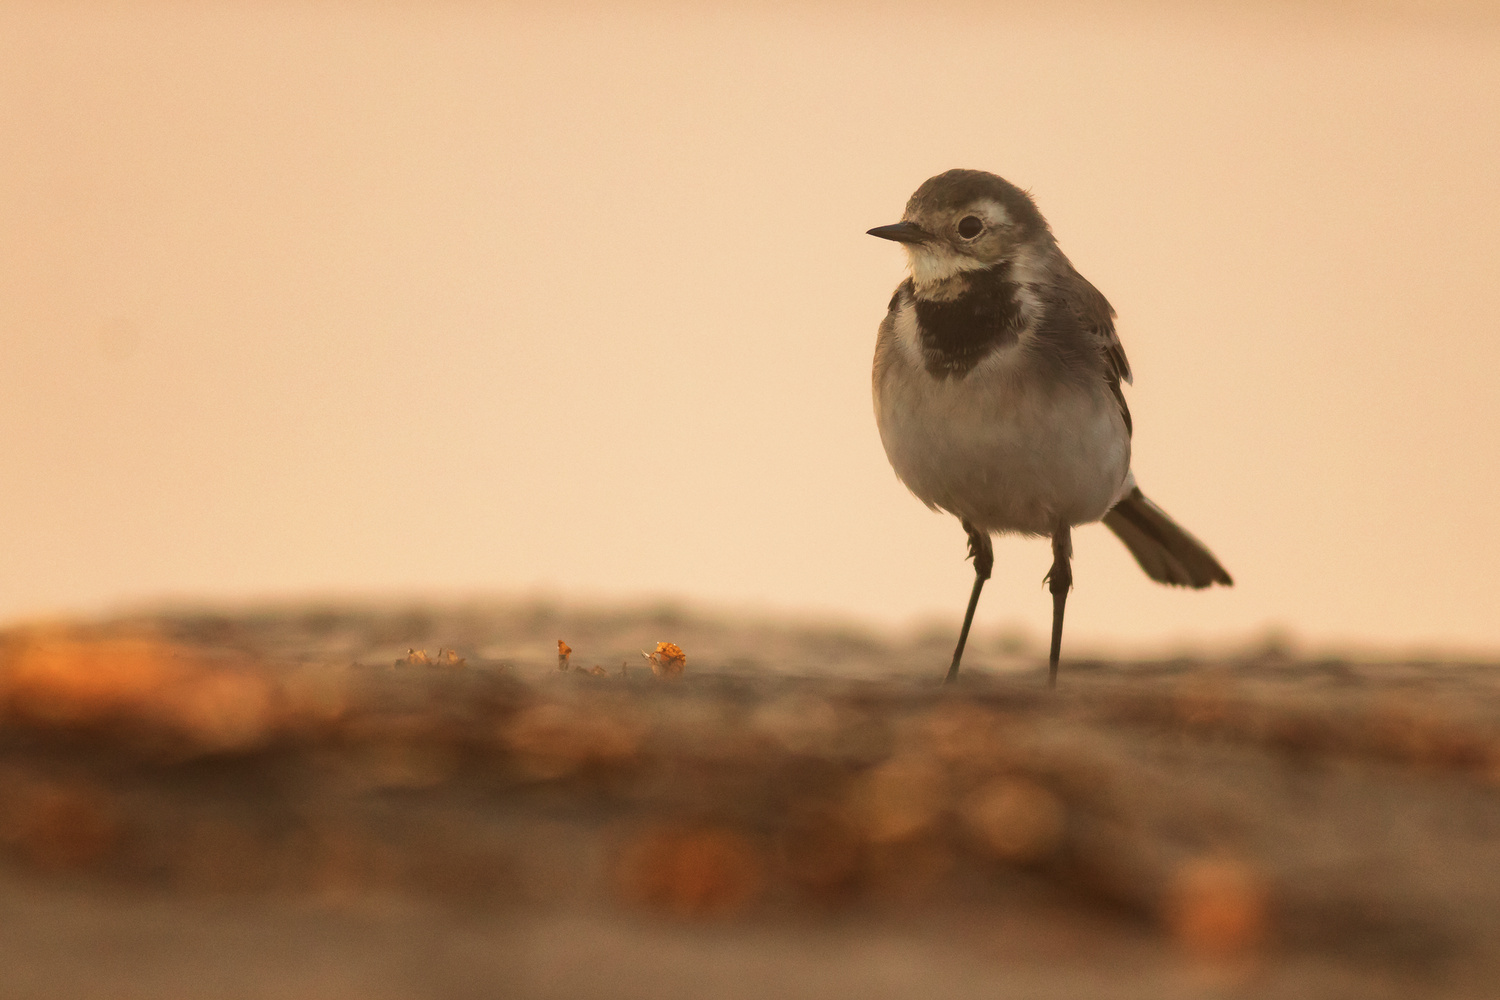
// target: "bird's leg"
[[1059, 580], [983, 555]]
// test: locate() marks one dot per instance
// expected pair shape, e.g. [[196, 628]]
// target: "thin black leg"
[[1059, 580], [983, 555]]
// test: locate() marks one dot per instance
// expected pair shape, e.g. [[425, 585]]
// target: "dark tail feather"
[[1165, 551]]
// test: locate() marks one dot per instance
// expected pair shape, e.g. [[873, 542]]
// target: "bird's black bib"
[[959, 333]]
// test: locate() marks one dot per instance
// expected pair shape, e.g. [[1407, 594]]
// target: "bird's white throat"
[[933, 265]]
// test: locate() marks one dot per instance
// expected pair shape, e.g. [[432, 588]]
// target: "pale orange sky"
[[306, 299]]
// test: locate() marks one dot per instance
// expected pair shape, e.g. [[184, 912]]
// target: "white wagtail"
[[997, 391]]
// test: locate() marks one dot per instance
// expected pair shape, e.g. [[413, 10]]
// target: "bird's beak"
[[902, 232]]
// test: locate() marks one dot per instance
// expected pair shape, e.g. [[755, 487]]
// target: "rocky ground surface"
[[420, 803]]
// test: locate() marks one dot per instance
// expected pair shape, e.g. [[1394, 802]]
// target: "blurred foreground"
[[330, 803]]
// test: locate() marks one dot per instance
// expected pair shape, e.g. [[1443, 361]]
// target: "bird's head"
[[965, 220]]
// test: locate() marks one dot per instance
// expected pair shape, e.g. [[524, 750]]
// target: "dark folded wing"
[[1095, 317]]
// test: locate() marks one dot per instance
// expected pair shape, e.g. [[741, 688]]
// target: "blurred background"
[[365, 359], [370, 299]]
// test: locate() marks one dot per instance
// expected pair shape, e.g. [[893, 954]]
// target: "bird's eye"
[[969, 227]]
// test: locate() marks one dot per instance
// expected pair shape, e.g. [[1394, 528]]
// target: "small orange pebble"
[[668, 660], [415, 658], [691, 871], [1216, 907], [450, 658], [564, 651]]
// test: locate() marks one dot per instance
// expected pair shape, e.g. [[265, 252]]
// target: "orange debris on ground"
[[668, 660], [175, 755]]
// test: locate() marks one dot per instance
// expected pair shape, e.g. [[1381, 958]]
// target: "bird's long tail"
[[1164, 549]]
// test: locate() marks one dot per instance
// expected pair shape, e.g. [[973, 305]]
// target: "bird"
[[998, 392]]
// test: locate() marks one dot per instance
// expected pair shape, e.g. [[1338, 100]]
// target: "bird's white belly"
[[1003, 451]]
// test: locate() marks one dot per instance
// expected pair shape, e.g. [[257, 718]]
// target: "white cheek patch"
[[934, 265]]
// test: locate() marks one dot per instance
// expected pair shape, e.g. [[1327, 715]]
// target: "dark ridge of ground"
[[347, 802]]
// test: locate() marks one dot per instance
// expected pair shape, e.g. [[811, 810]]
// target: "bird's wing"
[[1096, 318]]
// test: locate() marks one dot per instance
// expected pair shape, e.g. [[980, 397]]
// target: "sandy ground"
[[295, 803]]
